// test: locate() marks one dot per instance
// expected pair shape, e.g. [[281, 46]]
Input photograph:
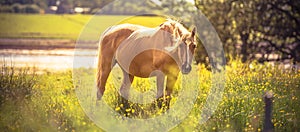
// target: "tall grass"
[[16, 91], [39, 102], [48, 101], [242, 107]]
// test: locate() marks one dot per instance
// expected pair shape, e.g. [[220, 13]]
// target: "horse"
[[163, 51]]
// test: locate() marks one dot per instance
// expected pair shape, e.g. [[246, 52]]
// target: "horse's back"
[[112, 38], [146, 38], [114, 35]]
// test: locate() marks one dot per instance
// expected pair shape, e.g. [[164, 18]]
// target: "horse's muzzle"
[[186, 68]]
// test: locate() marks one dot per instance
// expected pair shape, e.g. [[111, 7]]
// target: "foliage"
[[256, 29], [16, 91], [6, 9], [31, 102], [12, 80], [32, 9], [52, 104], [64, 6], [242, 106], [18, 8]]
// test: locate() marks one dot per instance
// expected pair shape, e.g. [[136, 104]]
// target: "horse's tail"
[[101, 63]]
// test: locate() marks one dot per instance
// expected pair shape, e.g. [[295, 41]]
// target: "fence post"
[[268, 125]]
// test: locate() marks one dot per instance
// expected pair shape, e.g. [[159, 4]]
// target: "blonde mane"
[[174, 27]]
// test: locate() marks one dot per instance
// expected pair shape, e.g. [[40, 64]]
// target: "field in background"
[[32, 40], [62, 26]]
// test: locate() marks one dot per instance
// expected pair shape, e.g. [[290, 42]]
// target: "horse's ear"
[[193, 31]]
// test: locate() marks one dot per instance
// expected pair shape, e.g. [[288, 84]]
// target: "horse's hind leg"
[[160, 79], [104, 68], [124, 90], [128, 79]]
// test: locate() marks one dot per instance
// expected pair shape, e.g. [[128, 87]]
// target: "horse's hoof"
[[167, 101], [99, 96], [163, 103], [124, 102], [160, 102]]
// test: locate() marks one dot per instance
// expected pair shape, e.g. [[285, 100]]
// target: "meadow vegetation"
[[38, 102], [48, 101], [62, 26]]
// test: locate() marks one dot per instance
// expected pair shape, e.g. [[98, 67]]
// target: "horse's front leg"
[[171, 80]]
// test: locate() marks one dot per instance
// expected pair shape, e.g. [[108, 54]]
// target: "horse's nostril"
[[186, 68]]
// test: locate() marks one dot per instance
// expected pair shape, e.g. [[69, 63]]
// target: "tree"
[[281, 27], [64, 6], [256, 29]]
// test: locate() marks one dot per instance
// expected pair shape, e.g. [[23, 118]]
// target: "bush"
[[6, 9], [18, 8], [32, 9]]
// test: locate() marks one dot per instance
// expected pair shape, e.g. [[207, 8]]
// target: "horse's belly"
[[144, 64], [142, 68]]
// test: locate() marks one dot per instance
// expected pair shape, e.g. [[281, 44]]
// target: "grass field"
[[31, 102], [63, 26], [48, 101]]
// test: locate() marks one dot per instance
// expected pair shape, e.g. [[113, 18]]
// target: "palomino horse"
[[144, 52]]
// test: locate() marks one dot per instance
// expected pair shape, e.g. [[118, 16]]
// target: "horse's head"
[[186, 48], [184, 44]]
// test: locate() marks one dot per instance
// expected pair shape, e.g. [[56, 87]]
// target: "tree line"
[[266, 30], [40, 6]]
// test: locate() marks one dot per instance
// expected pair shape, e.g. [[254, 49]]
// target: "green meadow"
[[63, 26]]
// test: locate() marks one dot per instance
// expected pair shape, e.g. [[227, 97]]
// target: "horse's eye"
[[193, 46]]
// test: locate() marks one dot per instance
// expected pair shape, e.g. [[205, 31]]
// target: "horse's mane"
[[173, 26]]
